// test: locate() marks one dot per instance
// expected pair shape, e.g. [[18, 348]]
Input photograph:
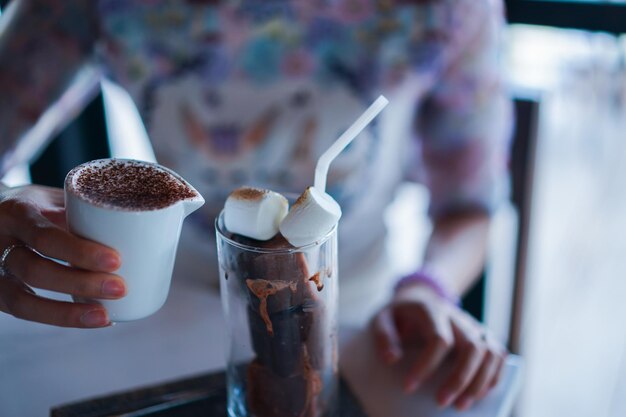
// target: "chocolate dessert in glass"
[[280, 303]]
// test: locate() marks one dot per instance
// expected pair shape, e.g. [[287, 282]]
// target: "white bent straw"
[[323, 163]]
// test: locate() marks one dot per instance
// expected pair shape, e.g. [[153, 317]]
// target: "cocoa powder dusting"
[[301, 198], [130, 185], [249, 193]]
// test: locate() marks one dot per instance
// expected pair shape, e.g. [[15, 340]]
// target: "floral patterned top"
[[239, 92]]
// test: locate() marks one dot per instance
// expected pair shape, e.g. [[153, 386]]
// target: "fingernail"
[[465, 403], [94, 318], [108, 261], [445, 399], [113, 288]]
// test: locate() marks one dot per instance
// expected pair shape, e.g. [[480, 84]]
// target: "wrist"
[[423, 280]]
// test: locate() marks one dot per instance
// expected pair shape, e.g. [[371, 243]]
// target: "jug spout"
[[192, 204]]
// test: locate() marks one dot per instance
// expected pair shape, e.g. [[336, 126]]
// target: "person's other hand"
[[417, 318], [32, 220]]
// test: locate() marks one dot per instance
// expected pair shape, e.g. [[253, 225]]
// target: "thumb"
[[386, 338]]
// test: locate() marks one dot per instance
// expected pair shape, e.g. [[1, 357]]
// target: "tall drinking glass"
[[280, 305]]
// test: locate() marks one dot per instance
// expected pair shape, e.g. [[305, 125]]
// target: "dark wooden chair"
[[523, 157], [522, 163]]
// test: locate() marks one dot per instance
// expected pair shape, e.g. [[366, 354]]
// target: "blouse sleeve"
[[45, 47], [464, 124]]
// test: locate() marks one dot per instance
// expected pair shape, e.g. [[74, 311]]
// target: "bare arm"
[[44, 48], [456, 251], [464, 126]]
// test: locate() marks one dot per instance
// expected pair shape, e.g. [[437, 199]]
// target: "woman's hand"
[[33, 219], [417, 318]]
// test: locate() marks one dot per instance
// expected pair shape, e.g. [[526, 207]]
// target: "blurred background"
[[573, 55], [568, 59]]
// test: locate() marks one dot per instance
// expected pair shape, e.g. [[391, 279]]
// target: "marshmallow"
[[254, 213], [310, 218]]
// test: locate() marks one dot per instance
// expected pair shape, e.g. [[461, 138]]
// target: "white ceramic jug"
[[146, 240]]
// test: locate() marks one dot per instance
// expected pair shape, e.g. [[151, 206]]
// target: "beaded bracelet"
[[425, 278]]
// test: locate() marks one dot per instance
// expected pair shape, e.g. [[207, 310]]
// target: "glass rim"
[[295, 249]]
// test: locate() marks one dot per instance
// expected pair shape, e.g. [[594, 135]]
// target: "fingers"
[[480, 385], [479, 362], [35, 230], [438, 346], [478, 357], [498, 375], [429, 361], [34, 216], [56, 196], [56, 216], [470, 356], [40, 272], [386, 337], [15, 300]]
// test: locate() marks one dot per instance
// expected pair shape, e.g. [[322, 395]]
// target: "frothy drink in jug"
[[127, 185]]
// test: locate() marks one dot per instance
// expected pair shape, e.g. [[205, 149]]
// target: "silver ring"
[[3, 259]]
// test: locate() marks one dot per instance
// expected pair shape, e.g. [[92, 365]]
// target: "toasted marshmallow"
[[310, 218], [254, 212]]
